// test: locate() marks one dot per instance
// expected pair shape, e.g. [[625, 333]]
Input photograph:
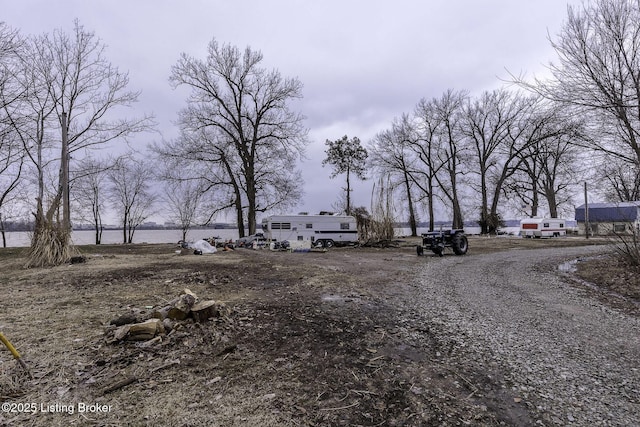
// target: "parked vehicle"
[[437, 241], [325, 230], [543, 227]]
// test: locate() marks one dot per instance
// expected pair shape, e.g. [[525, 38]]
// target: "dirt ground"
[[314, 338]]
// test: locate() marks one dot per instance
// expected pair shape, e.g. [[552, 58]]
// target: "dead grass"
[[314, 340]]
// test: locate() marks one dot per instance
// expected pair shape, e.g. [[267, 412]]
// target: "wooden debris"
[[139, 331], [182, 307], [145, 325], [134, 315], [205, 310], [145, 330], [161, 313]]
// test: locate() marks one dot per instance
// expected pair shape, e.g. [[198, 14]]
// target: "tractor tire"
[[438, 251], [420, 250], [460, 244]]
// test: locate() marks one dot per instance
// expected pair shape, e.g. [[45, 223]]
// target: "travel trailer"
[[543, 227], [325, 230]]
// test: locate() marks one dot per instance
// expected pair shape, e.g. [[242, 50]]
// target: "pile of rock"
[[147, 324]]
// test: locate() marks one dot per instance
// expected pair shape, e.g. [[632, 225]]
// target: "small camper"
[[325, 230], [543, 227]]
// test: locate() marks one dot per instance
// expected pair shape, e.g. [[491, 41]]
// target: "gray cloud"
[[361, 62]]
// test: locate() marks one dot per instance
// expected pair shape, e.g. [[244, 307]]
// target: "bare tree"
[[597, 75], [548, 160], [183, 198], [621, 180], [347, 156], [131, 194], [71, 90], [426, 146], [11, 167], [453, 148], [11, 153], [89, 191], [199, 155], [389, 154], [499, 128], [11, 46], [245, 108]]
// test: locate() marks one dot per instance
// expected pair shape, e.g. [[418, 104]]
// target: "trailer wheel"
[[328, 243], [420, 250], [460, 244]]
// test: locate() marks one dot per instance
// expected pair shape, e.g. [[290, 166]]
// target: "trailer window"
[[281, 226], [546, 225], [309, 225], [344, 226], [619, 228]]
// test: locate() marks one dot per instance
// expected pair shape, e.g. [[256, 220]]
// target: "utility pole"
[[586, 211]]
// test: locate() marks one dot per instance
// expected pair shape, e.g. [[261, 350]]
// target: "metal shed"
[[610, 218]]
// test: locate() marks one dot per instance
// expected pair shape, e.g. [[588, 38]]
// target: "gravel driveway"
[[567, 359]]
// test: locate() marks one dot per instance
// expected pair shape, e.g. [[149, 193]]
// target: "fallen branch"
[[119, 385]]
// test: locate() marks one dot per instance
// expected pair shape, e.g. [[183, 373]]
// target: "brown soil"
[[312, 339]]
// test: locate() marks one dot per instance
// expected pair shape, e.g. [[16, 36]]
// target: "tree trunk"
[[97, 219], [51, 241], [493, 213], [412, 216], [251, 211], [432, 223], [484, 209], [550, 195], [348, 208], [239, 216], [534, 200], [458, 221], [4, 238], [64, 175]]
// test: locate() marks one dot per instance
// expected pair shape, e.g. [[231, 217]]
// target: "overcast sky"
[[362, 63]]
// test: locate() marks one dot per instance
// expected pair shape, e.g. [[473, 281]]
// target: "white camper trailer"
[[543, 227], [320, 230]]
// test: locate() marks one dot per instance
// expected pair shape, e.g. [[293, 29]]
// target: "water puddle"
[[338, 298], [569, 266]]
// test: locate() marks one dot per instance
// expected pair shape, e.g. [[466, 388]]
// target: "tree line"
[[502, 150], [529, 146], [523, 147]]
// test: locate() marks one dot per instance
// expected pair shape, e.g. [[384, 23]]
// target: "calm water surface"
[[87, 237]]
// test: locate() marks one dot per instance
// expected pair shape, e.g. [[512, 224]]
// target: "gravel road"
[[566, 358]]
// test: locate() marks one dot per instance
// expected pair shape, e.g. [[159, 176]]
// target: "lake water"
[[87, 237]]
